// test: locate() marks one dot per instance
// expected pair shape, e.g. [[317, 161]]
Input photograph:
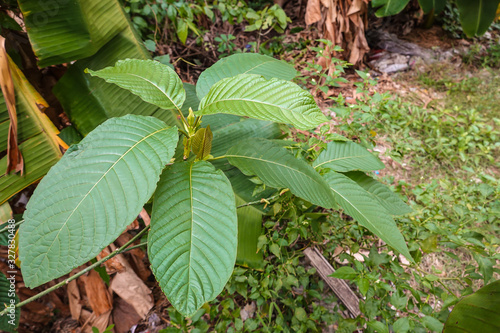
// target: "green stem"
[[217, 158], [136, 246], [183, 119], [77, 275], [7, 227], [258, 201], [445, 287]]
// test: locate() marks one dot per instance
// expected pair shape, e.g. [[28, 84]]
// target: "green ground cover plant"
[[181, 18]]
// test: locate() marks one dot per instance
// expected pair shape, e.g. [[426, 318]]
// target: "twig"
[[7, 227], [258, 201], [77, 275]]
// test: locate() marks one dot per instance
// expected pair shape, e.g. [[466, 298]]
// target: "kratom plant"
[[101, 184]]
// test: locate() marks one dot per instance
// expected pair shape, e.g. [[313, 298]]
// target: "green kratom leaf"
[[255, 97], [243, 63], [90, 196], [191, 101], [388, 199], [278, 168], [37, 137], [365, 209], [235, 130], [476, 16], [249, 231], [479, 312], [347, 156], [192, 242], [152, 81], [202, 142]]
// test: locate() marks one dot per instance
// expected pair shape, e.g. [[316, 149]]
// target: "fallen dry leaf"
[[145, 217], [112, 265], [15, 159], [100, 322], [131, 289], [97, 293], [136, 256], [313, 12], [124, 316], [74, 300]]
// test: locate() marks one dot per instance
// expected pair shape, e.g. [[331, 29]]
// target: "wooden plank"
[[339, 286]]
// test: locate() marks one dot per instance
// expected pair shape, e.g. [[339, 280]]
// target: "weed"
[[225, 46]]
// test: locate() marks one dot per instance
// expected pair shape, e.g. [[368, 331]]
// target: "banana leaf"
[[63, 31], [37, 137], [477, 16]]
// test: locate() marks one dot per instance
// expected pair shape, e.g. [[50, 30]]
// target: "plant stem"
[[217, 158], [136, 246], [77, 275], [7, 227], [258, 201], [184, 121]]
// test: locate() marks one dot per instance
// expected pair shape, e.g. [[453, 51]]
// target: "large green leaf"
[[389, 7], [476, 16], [361, 206], [192, 242], [249, 231], [8, 299], [39, 154], [191, 101], [63, 31], [242, 129], [90, 196], [37, 137], [243, 188], [152, 81], [228, 130], [479, 312], [388, 199], [278, 168], [343, 156], [243, 63], [255, 97], [429, 5], [89, 101]]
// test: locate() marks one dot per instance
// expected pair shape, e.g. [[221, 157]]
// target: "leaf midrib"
[[156, 86], [268, 161], [342, 158], [353, 206], [261, 64], [191, 233], [253, 101], [387, 6], [479, 14], [91, 189]]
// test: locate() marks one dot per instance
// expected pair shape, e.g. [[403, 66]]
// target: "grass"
[[443, 154], [452, 152]]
